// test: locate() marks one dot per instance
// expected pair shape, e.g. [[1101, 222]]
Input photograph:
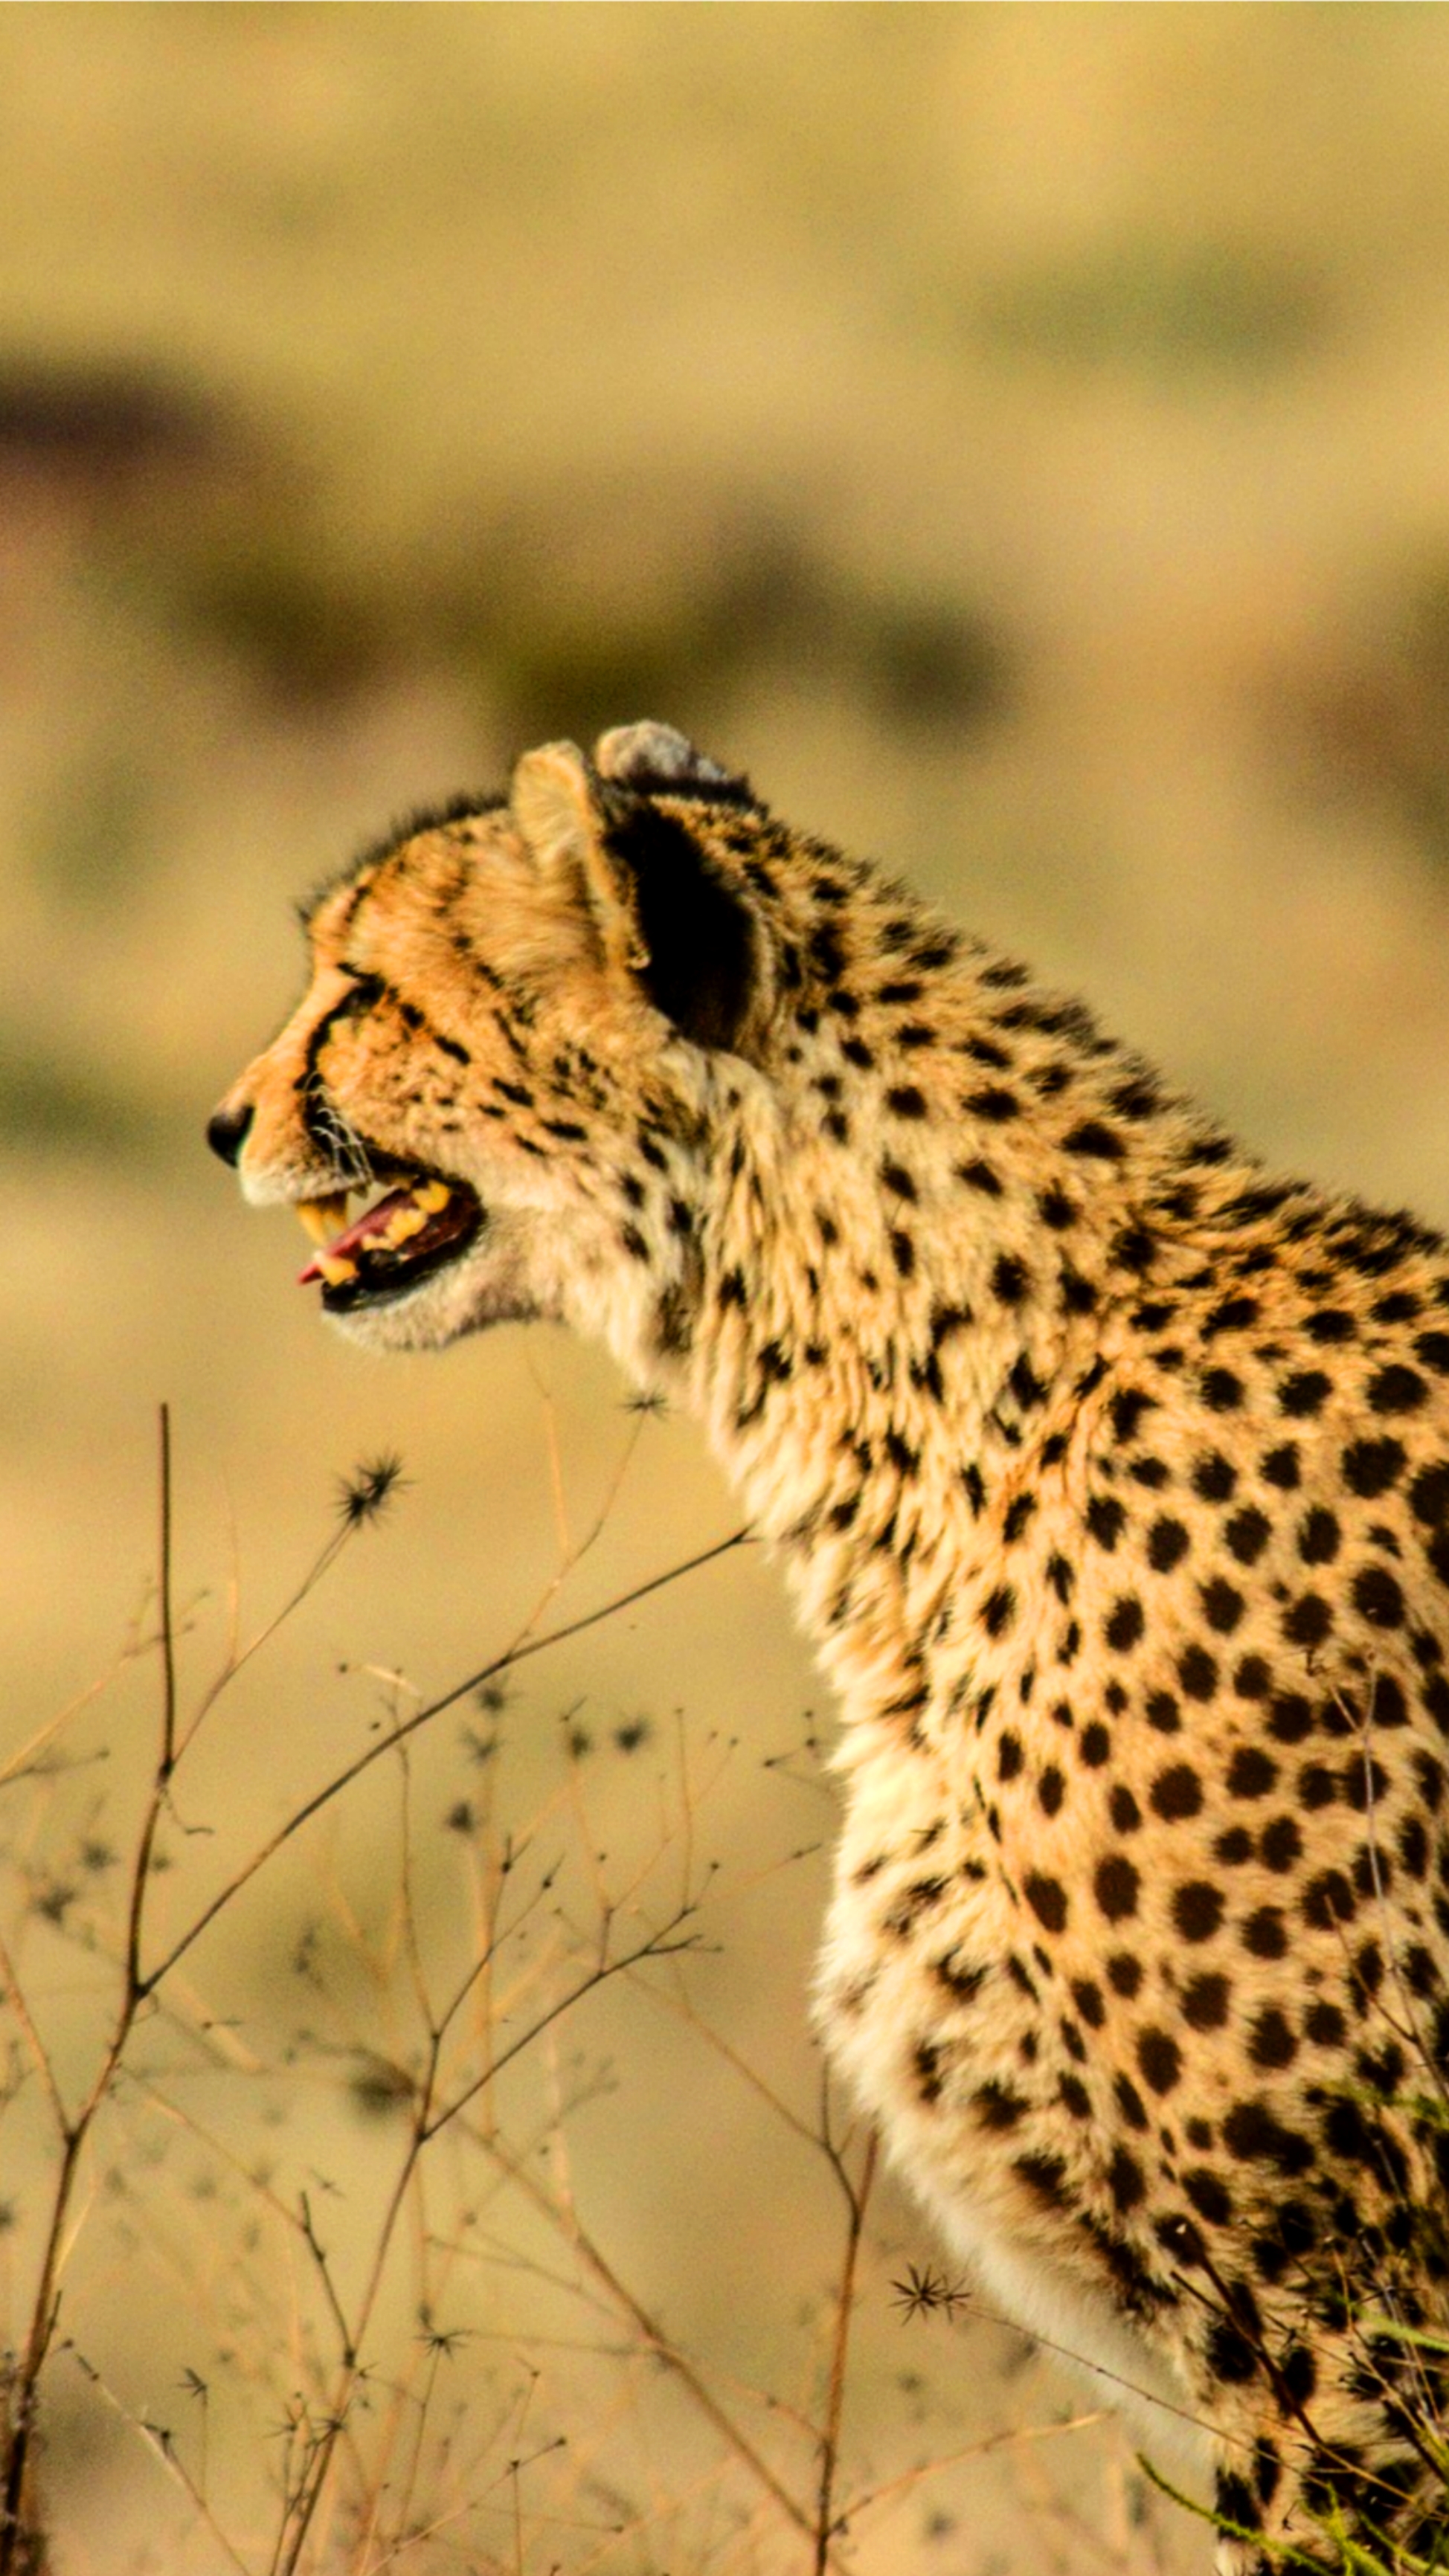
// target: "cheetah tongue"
[[409, 1225]]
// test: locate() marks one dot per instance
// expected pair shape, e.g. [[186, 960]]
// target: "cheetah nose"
[[226, 1130]]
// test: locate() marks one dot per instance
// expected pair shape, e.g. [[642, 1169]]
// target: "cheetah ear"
[[652, 756], [560, 815], [709, 954], [664, 915]]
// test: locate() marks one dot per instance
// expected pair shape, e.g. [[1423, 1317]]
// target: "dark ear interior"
[[699, 936]]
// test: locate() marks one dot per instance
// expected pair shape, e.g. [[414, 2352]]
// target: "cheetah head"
[[493, 1100]]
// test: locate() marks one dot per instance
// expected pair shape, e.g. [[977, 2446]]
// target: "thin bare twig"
[[166, 1761], [75, 2128], [857, 2194], [429, 2118], [653, 2335], [163, 2449], [515, 1654]]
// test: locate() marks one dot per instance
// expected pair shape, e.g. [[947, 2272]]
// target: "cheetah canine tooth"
[[323, 1217]]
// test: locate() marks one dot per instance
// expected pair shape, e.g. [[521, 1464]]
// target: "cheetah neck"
[[913, 1278]]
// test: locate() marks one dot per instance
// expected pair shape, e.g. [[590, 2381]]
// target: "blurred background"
[[1020, 437]]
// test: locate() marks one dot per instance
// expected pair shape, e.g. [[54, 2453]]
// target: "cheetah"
[[1111, 1476]]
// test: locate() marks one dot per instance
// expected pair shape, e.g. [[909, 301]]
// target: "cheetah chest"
[[932, 2003]]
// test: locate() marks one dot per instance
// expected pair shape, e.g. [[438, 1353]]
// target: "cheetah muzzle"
[[1111, 1476]]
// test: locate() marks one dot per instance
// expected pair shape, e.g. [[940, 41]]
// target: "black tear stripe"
[[699, 938], [318, 1117], [367, 992]]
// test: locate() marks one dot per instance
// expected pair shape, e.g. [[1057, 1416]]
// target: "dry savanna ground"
[[1018, 436]]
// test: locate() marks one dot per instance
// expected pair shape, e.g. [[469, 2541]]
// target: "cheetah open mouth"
[[401, 1239]]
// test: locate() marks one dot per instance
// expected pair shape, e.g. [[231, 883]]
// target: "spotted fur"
[[1111, 1475]]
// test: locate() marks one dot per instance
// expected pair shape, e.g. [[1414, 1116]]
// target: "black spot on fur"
[[1397, 1389], [1116, 1885], [1048, 1901], [993, 1103], [1094, 1139]]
